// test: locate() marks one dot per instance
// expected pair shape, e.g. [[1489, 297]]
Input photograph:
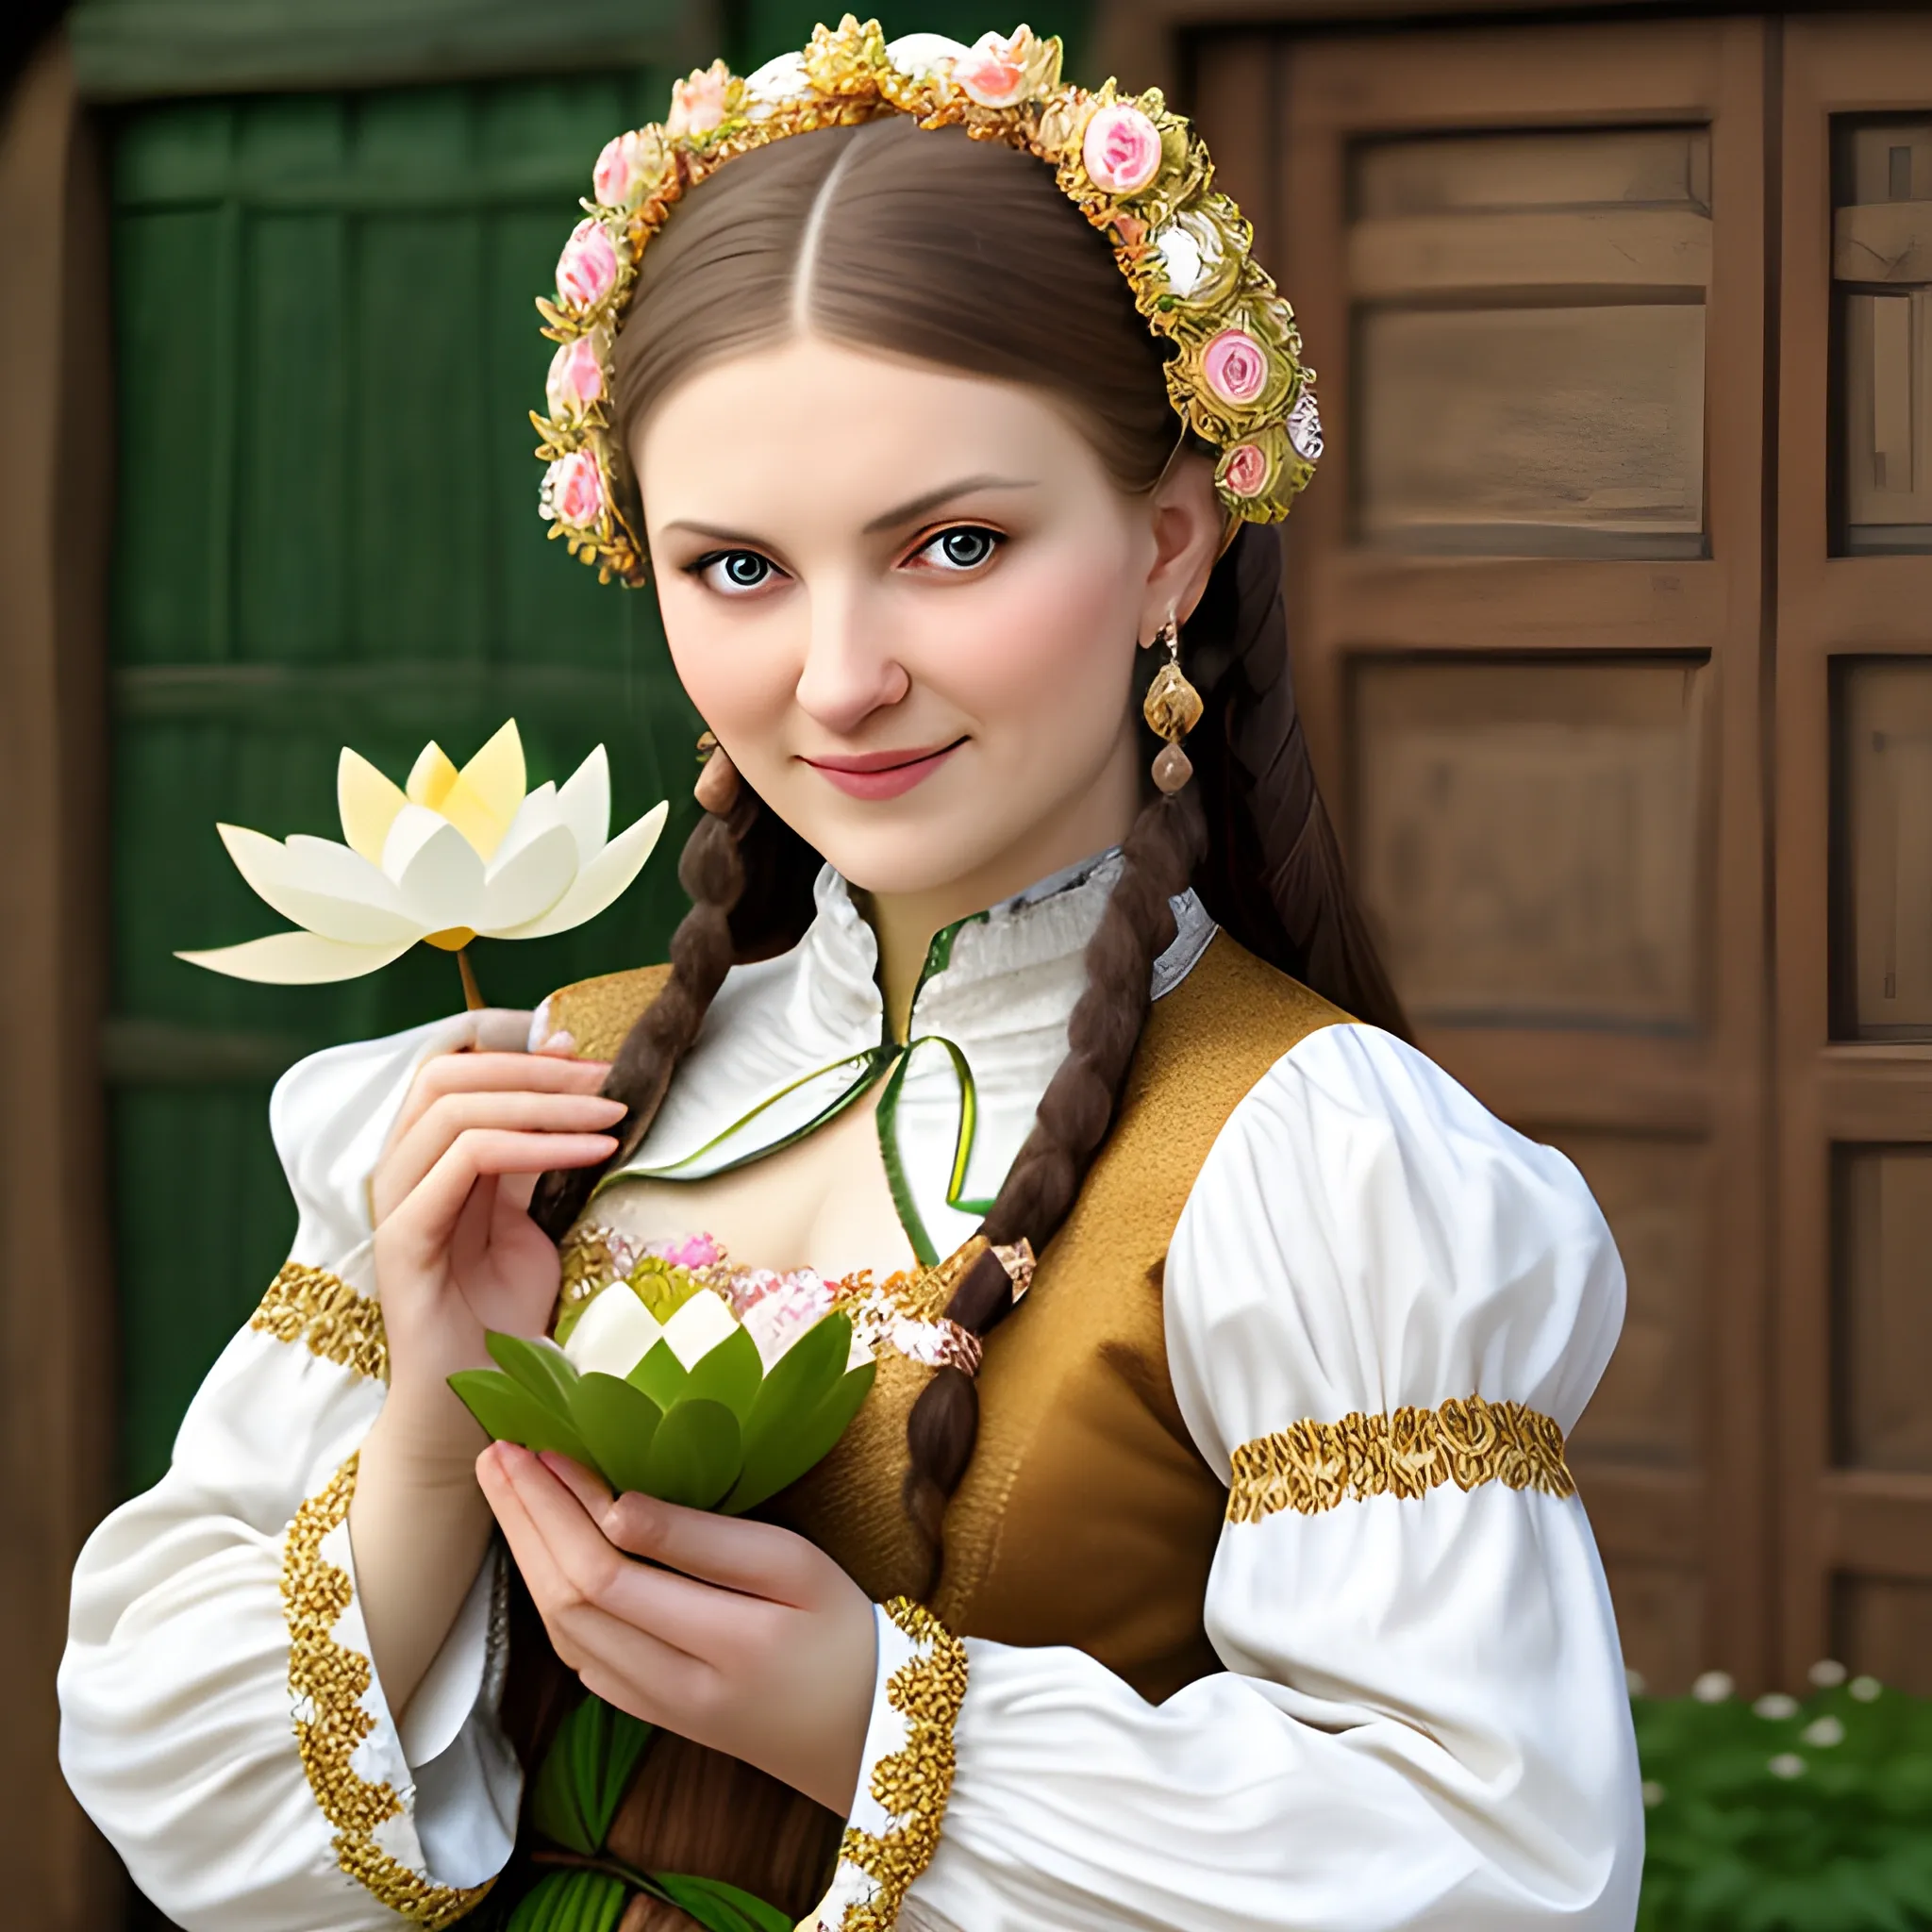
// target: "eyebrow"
[[892, 519]]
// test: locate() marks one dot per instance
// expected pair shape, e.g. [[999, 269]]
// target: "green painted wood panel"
[[327, 533]]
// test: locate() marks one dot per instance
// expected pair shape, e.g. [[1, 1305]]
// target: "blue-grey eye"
[[966, 546], [736, 571]]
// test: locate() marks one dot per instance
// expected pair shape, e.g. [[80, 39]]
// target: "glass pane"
[[1883, 887], [1883, 1314], [1527, 838], [1529, 342], [1882, 268]]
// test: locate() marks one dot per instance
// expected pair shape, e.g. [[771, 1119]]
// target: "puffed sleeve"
[[1385, 1309], [221, 1720]]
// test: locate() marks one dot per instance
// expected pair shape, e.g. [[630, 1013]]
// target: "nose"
[[851, 668]]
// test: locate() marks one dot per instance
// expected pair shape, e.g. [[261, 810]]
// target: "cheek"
[[737, 664], [1053, 635]]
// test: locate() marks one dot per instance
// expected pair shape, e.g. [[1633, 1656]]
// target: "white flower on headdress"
[[453, 855], [697, 101], [997, 70]]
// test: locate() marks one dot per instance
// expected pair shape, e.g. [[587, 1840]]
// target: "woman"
[[1231, 1578]]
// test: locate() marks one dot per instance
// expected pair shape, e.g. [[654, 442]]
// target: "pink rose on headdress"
[[1122, 149], [697, 105], [1236, 366], [573, 491], [626, 167], [587, 269], [993, 70], [575, 379], [1244, 469]]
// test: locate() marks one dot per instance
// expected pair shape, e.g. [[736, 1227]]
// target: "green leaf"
[[540, 1367], [585, 1773], [730, 1373], [571, 1901], [720, 1908], [800, 1379], [617, 1423], [693, 1457], [660, 1375], [511, 1414], [783, 1454]]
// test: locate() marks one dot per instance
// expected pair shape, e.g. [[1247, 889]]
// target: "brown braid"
[[1074, 1114], [712, 870]]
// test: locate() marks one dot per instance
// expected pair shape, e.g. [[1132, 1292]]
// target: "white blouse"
[[1421, 1720]]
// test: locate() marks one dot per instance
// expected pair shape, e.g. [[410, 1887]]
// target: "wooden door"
[[1854, 843], [1528, 585], [327, 535]]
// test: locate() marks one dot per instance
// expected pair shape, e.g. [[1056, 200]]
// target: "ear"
[[1189, 524]]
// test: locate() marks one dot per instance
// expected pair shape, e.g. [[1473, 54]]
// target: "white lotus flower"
[[452, 855]]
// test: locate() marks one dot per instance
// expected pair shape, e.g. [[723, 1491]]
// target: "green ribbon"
[[890, 1061]]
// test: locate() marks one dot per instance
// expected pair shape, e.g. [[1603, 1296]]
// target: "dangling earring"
[[718, 782], [1172, 707]]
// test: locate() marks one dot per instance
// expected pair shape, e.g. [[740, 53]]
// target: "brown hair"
[[966, 255]]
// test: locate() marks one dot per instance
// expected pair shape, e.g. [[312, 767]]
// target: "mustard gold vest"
[[1087, 1516]]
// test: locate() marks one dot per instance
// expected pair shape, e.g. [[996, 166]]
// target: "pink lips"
[[883, 773]]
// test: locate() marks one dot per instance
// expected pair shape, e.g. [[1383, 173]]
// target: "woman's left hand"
[[749, 1640]]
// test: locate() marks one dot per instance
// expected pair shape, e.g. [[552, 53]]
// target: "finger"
[[584, 1627], [452, 1114], [469, 1073], [695, 1617], [758, 1558], [422, 1221], [594, 1498]]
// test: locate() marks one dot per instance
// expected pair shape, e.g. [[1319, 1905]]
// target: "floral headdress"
[[1136, 170]]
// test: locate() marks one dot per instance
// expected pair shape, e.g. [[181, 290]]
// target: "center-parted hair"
[[965, 255]]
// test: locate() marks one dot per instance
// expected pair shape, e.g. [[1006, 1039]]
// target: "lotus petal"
[[497, 776], [601, 881], [618, 1423], [693, 1457], [530, 882], [322, 885], [368, 802], [511, 1414], [730, 1373], [699, 1327], [296, 958], [800, 1380], [585, 801], [436, 870], [435, 785], [538, 813], [662, 1376], [780, 1456], [614, 1334], [536, 1364]]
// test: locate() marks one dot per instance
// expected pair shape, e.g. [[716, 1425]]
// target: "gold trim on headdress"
[[1137, 171]]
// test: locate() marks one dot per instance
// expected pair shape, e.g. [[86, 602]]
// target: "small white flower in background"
[[1713, 1687], [1865, 1690], [1633, 1682], [1827, 1673], [1775, 1703], [451, 856], [1787, 1764], [1653, 1794], [1823, 1732]]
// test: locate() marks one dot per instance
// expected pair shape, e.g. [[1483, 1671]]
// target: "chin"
[[906, 860]]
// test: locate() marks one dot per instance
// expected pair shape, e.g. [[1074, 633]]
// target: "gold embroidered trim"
[[912, 1784], [326, 1683], [1314, 1466], [313, 1307]]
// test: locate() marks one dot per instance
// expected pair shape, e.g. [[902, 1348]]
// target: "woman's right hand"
[[456, 1250]]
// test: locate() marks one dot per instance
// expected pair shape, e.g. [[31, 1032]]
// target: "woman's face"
[[908, 603]]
